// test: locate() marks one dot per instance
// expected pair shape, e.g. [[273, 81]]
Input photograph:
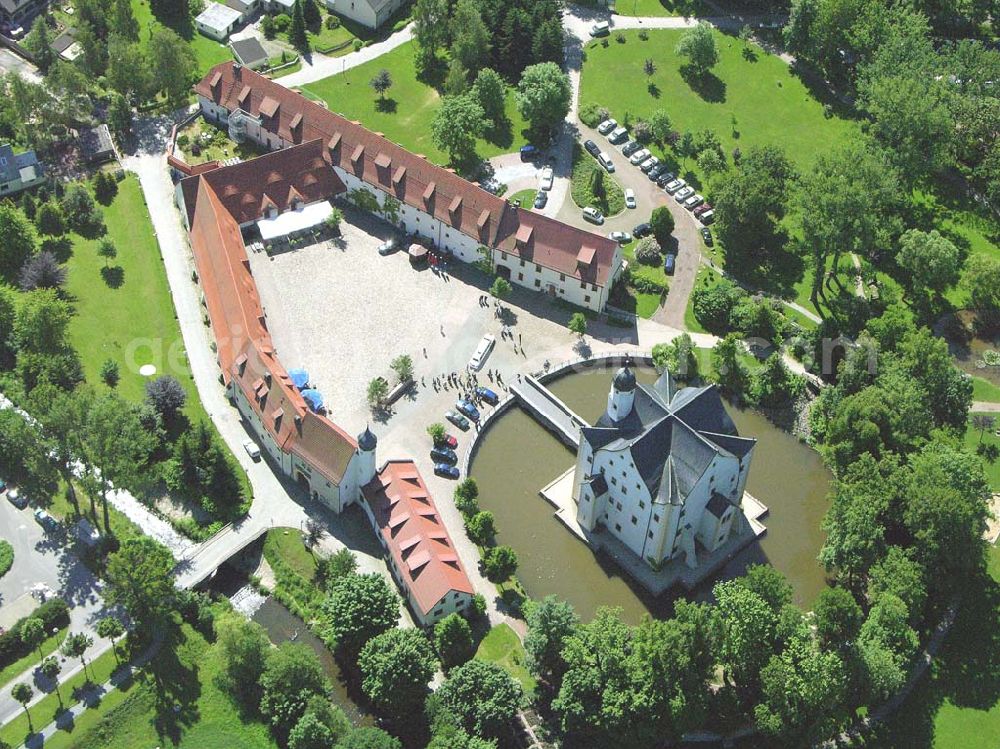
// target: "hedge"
[[6, 557], [54, 615]]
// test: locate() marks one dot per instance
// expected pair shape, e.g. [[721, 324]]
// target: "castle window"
[[522, 263], [538, 284], [520, 276], [618, 527], [586, 299], [503, 255], [614, 481], [634, 520], [642, 505], [562, 276], [538, 268], [619, 506], [650, 534], [656, 518]]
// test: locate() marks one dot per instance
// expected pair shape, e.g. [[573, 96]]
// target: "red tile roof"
[[410, 177], [244, 346], [415, 535]]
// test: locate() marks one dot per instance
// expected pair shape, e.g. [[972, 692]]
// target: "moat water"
[[517, 457]]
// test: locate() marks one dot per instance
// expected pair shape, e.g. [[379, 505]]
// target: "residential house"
[[250, 53], [218, 21], [18, 171], [369, 13]]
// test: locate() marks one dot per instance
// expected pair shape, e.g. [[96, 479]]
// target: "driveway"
[[11, 63]]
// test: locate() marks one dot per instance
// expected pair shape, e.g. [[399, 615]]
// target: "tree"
[[292, 676], [649, 67], [466, 494], [648, 251], [80, 209], [297, 36], [837, 616], [470, 38], [358, 608], [140, 578], [490, 91], [711, 163], [482, 696], [33, 633], [75, 646], [437, 432], [120, 115], [39, 43], [453, 640], [932, 261], [378, 391], [123, 21], [887, 624], [698, 46], [42, 271], [111, 629], [107, 250], [774, 385], [50, 220], [166, 395], [50, 668], [382, 81], [320, 726], [729, 370], [173, 64], [105, 188], [402, 365], [899, 574], [499, 563], [129, 78], [543, 97], [481, 527], [578, 324], [677, 357], [310, 14], [17, 240], [244, 646], [660, 125], [368, 737], [457, 124], [23, 693], [983, 423], [395, 669], [982, 281], [746, 629], [430, 29], [500, 288], [662, 223], [550, 623]]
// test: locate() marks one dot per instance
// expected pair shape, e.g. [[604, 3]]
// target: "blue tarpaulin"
[[314, 398], [299, 377]]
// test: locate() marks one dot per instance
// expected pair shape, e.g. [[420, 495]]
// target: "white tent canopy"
[[294, 221]]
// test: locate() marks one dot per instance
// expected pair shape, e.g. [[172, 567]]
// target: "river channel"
[[517, 457]]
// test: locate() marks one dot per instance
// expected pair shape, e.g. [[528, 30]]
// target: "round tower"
[[367, 442], [622, 394]]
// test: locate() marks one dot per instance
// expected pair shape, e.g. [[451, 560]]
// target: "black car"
[[641, 230], [665, 179], [706, 234], [444, 455], [656, 171], [631, 147], [541, 198], [592, 148]]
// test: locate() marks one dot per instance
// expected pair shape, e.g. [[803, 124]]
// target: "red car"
[[449, 440], [703, 208]]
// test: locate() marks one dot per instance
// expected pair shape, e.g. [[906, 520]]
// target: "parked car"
[[631, 147], [600, 29], [693, 202], [482, 351], [592, 148], [665, 179], [252, 449], [629, 197], [446, 471], [388, 247], [541, 198], [607, 126], [449, 440], [702, 209], [529, 152], [668, 263], [458, 420], [672, 187], [638, 157], [16, 498], [547, 176], [656, 171], [618, 135], [641, 230], [3, 486], [593, 215], [707, 217], [683, 194], [444, 455], [45, 520], [488, 395], [621, 237], [606, 161], [649, 163], [467, 409], [706, 234]]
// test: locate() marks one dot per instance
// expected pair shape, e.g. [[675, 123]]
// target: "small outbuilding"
[[249, 53], [96, 144], [18, 171], [370, 13], [217, 21]]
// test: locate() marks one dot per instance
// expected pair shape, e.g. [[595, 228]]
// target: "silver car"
[[639, 156], [684, 194], [672, 187], [693, 202]]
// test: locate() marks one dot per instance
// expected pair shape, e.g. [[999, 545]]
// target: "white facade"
[[555, 283], [370, 13], [217, 21]]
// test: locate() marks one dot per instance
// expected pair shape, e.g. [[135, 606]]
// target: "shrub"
[[648, 285], [332, 22], [642, 131], [110, 374], [648, 251], [358, 44], [6, 557], [593, 115], [713, 305], [662, 221], [54, 614], [183, 140]]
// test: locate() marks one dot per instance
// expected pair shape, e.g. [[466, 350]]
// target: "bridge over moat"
[[555, 415]]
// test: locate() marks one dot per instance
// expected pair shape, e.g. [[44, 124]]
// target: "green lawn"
[[208, 51], [759, 102], [984, 390], [294, 569], [705, 275], [174, 702], [133, 324], [49, 646], [591, 185], [647, 8], [405, 116], [527, 197], [502, 646], [972, 441], [286, 544]]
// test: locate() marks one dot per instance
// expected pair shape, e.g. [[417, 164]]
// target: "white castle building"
[[663, 470]]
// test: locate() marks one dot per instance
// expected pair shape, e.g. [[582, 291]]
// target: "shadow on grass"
[[653, 90], [114, 276], [707, 85], [500, 133], [387, 106], [177, 689]]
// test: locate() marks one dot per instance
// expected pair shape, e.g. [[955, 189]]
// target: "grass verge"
[[592, 186], [502, 646], [49, 646]]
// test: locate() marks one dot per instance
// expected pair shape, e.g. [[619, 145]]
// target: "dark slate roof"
[[249, 51], [367, 440], [717, 504], [624, 380], [736, 446], [96, 142], [598, 437], [703, 410]]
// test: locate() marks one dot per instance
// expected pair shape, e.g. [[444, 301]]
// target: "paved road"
[[985, 407], [11, 63]]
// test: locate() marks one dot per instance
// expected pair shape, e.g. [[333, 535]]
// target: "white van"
[[600, 29], [606, 161], [482, 352]]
